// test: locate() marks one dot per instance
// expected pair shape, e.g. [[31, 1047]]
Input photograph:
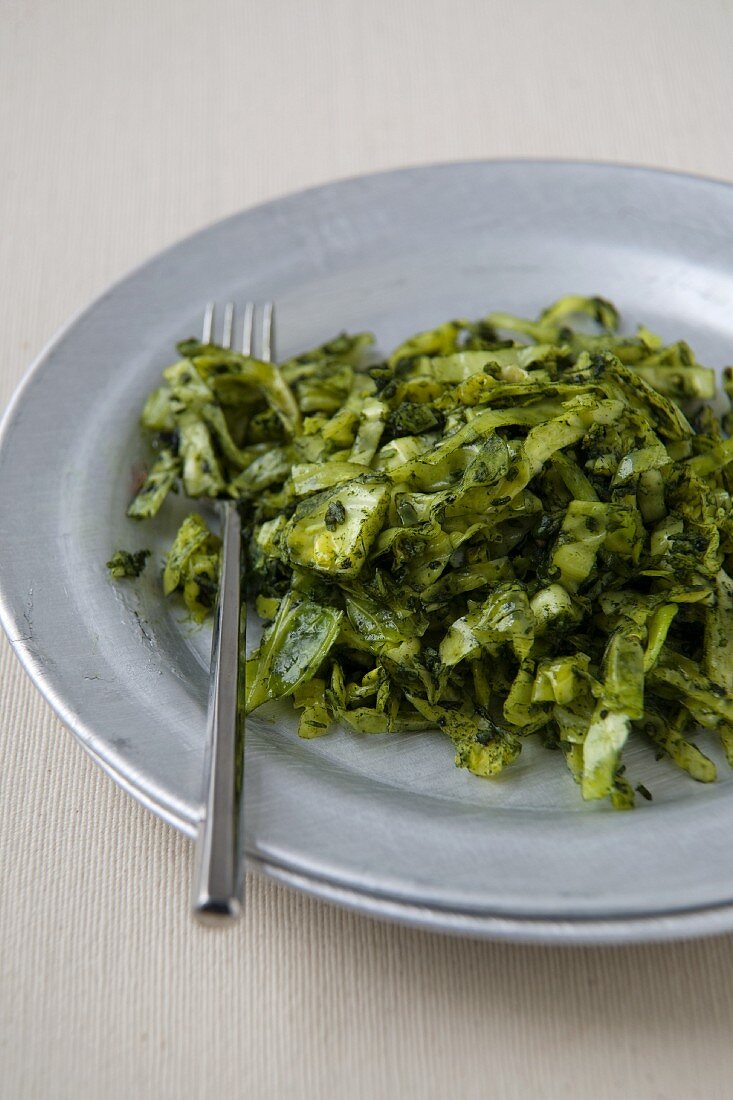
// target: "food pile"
[[507, 528]]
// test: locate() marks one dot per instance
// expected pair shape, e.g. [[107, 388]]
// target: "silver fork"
[[218, 883]]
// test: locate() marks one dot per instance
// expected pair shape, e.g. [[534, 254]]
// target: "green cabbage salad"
[[505, 529]]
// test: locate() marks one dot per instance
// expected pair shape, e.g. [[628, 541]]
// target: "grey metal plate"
[[384, 824]]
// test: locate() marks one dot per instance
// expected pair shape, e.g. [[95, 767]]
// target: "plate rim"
[[670, 926], [700, 920]]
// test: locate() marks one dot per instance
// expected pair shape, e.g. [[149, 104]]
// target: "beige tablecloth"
[[124, 125]]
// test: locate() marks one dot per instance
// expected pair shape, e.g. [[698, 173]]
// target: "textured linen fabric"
[[125, 125]]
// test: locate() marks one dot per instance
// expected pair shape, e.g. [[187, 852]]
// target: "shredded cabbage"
[[506, 528]]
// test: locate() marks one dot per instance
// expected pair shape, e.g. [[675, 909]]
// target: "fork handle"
[[218, 883]]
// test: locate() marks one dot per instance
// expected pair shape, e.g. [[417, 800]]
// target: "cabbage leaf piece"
[[621, 702], [192, 565], [332, 532], [292, 651]]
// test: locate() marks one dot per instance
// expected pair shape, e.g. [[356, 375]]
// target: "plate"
[[384, 824]]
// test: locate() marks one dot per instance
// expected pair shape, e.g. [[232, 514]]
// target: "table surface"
[[124, 126]]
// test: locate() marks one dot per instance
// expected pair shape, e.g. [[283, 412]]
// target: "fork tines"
[[229, 324]]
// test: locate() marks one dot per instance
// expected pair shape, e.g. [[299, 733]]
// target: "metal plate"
[[384, 824]]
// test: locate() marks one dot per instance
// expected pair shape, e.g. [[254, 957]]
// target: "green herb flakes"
[[125, 563]]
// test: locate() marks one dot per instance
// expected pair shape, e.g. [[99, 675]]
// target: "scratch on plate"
[[148, 637], [28, 614]]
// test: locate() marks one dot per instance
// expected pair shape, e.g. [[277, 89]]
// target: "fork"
[[218, 882]]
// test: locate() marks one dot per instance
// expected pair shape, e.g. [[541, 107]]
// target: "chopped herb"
[[125, 563], [411, 418], [335, 515]]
